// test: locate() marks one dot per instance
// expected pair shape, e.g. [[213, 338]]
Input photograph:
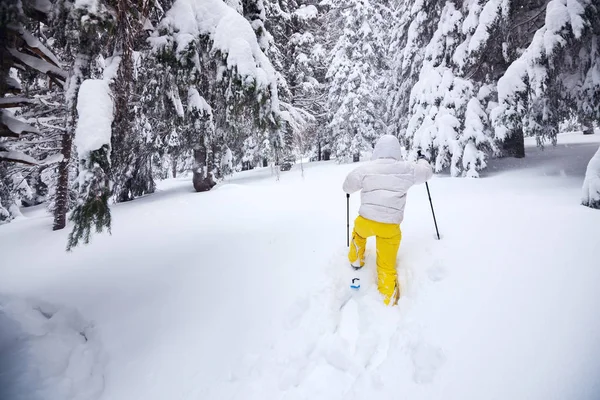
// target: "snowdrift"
[[47, 353]]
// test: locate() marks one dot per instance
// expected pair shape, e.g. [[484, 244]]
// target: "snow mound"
[[47, 352], [95, 109], [591, 184]]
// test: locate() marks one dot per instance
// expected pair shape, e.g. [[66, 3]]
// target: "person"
[[384, 182]]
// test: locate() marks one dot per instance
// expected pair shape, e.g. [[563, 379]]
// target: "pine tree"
[[244, 90], [544, 84], [92, 210], [462, 89], [298, 34], [131, 164], [416, 24], [356, 72]]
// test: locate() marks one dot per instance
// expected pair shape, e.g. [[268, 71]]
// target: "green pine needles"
[[92, 210]]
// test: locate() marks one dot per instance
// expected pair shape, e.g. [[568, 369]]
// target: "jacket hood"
[[387, 147]]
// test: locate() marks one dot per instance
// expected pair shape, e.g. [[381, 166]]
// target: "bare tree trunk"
[[588, 127], [319, 143], [76, 77], [514, 146], [202, 182], [61, 206]]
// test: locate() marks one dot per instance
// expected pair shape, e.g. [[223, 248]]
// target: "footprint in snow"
[[296, 313], [348, 328], [426, 360], [437, 272], [245, 368]]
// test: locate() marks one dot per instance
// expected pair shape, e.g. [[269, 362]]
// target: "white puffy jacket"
[[385, 181]]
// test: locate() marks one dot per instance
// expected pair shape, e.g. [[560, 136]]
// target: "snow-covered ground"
[[242, 293]]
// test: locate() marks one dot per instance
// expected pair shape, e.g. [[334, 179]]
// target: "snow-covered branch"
[[13, 101], [530, 72], [231, 35], [12, 127], [34, 45], [22, 158], [40, 65], [18, 157]]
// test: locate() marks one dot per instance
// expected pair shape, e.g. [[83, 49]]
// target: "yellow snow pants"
[[388, 238]]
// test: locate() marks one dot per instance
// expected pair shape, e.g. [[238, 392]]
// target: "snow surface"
[[242, 292], [95, 110], [47, 352]]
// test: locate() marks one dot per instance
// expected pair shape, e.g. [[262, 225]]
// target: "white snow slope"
[[237, 293]]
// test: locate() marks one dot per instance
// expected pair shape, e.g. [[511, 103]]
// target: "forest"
[[299, 199]]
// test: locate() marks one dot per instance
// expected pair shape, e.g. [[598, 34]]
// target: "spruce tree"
[[92, 209], [463, 90], [239, 102], [131, 165], [356, 75]]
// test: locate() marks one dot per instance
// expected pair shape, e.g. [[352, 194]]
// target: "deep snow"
[[242, 292]]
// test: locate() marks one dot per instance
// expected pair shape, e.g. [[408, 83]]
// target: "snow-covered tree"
[[534, 92], [356, 74], [200, 51], [415, 24], [95, 111], [275, 22], [440, 95], [298, 32], [131, 158], [254, 11], [23, 60], [477, 92], [87, 87]]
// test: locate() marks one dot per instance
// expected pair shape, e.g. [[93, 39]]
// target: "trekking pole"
[[348, 219], [432, 212]]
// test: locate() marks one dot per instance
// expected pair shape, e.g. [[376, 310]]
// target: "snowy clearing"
[[242, 292]]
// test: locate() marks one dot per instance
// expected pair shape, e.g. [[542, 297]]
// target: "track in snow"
[[338, 339]]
